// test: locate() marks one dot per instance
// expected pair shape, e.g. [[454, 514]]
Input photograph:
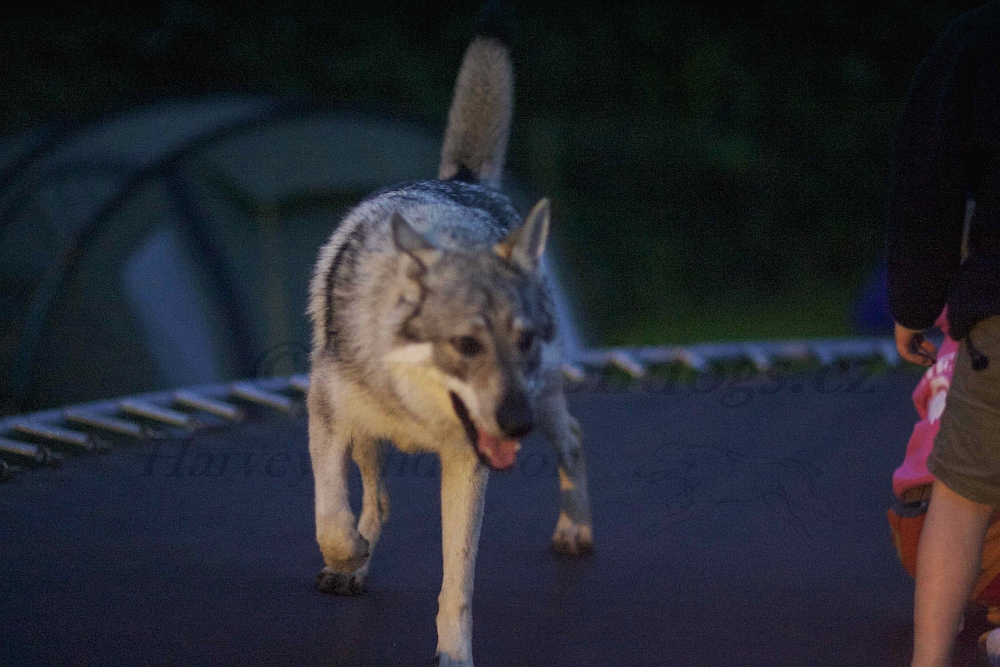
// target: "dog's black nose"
[[514, 415]]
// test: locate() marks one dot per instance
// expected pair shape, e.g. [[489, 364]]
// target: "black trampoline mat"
[[730, 529]]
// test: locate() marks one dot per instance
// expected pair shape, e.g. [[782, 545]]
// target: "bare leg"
[[948, 561], [573, 535], [463, 493], [344, 550]]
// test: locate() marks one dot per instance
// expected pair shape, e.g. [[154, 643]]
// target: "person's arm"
[[928, 190]]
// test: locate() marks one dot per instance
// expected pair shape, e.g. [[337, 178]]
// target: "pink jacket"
[[929, 399]]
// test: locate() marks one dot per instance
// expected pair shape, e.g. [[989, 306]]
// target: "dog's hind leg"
[[367, 454], [344, 550], [573, 535], [463, 493]]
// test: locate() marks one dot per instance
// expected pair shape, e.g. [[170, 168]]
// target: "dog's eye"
[[525, 340], [467, 346]]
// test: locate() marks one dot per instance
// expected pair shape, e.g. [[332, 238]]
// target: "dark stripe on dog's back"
[[464, 174], [343, 263], [470, 195], [482, 198]]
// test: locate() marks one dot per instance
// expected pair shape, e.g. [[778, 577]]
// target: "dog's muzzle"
[[494, 452], [514, 416]]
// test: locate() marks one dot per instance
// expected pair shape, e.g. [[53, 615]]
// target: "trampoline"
[[735, 524]]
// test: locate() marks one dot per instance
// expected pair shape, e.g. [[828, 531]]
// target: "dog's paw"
[[445, 660], [344, 553], [340, 583], [572, 539]]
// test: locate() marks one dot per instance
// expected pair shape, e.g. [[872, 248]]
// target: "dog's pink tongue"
[[499, 452]]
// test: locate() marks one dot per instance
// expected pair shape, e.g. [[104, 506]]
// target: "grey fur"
[[480, 114], [431, 309]]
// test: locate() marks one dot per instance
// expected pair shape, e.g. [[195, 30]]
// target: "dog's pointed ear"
[[410, 242], [524, 246]]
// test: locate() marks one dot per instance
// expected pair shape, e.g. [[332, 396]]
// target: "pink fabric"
[[929, 399]]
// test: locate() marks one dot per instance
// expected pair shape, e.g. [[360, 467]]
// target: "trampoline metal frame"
[[36, 440]]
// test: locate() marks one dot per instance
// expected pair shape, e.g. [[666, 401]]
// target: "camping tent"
[[172, 245]]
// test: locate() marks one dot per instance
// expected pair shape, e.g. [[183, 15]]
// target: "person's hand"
[[912, 346]]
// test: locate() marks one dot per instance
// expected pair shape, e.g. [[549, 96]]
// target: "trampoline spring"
[[300, 383], [890, 354], [694, 361], [195, 401], [157, 413], [574, 374], [824, 354], [35, 453], [625, 363], [105, 422], [63, 436], [672, 355], [25, 450], [253, 394], [758, 357]]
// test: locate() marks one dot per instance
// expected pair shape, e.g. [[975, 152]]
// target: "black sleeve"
[[928, 188]]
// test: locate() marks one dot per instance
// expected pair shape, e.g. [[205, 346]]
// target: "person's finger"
[[923, 348], [929, 349], [914, 358], [915, 354]]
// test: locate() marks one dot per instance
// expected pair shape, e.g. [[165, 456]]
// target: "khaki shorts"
[[966, 454]]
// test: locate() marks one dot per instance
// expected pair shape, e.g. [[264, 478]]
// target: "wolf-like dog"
[[433, 328]]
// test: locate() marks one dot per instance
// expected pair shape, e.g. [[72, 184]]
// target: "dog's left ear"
[[410, 242], [524, 246]]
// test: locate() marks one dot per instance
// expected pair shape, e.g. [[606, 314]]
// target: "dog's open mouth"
[[495, 453]]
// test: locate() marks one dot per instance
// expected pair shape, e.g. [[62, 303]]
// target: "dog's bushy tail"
[[475, 142]]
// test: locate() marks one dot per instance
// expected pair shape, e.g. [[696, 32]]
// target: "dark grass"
[[716, 173]]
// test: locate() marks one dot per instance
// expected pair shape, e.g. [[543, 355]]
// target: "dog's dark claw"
[[572, 540], [572, 551], [340, 583]]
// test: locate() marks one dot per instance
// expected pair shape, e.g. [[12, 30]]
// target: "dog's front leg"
[[463, 492], [573, 535], [344, 550]]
